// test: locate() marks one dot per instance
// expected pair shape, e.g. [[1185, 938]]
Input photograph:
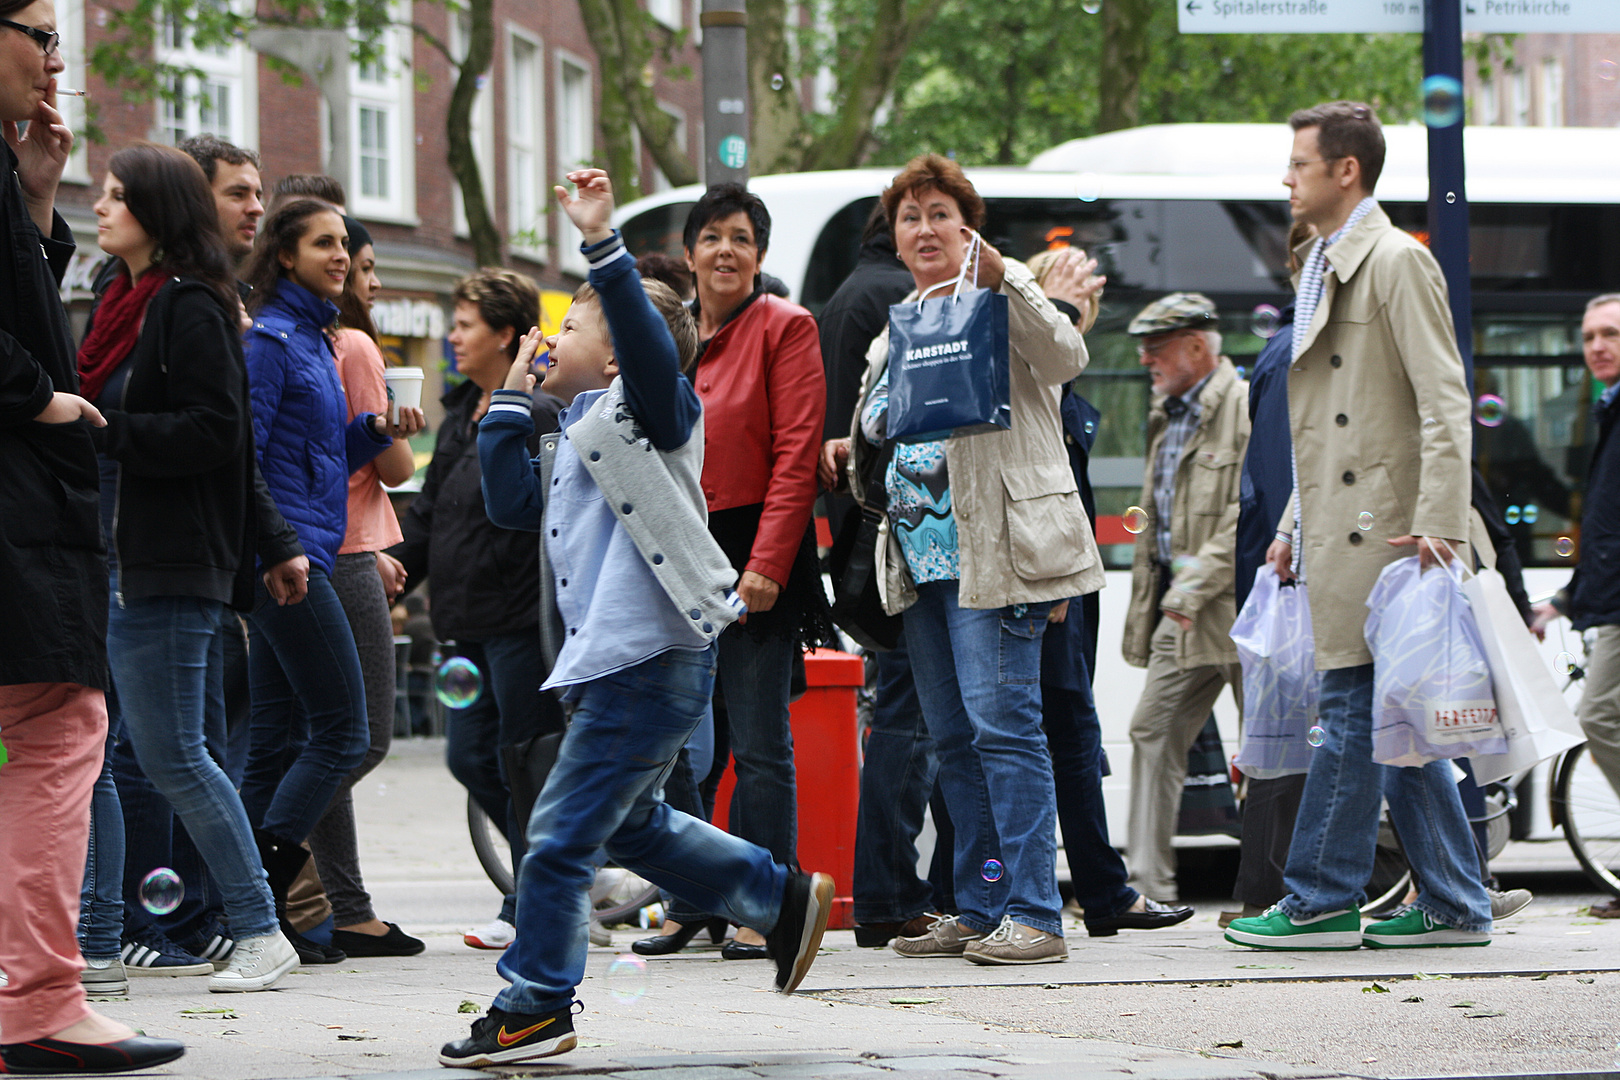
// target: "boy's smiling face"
[[581, 354]]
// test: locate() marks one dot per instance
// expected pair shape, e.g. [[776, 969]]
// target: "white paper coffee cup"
[[404, 389]]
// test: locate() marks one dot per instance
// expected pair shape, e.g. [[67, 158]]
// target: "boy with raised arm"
[[633, 594]]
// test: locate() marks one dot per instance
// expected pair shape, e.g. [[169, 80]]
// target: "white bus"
[[1201, 207]]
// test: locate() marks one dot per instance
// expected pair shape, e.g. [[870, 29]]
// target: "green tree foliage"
[[996, 82]]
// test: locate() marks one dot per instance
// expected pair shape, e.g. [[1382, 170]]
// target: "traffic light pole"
[[725, 91], [1448, 196]]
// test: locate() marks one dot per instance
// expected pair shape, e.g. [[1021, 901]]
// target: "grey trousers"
[[333, 841], [1600, 702], [1174, 706]]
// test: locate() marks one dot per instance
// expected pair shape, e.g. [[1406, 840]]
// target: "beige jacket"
[[1203, 513], [1379, 407], [1021, 531]]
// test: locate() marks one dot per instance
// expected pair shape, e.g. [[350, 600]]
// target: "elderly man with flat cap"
[[1182, 606]]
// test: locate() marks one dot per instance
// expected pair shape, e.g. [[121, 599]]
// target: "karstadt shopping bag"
[[1281, 686], [1432, 695], [948, 362], [1535, 717]]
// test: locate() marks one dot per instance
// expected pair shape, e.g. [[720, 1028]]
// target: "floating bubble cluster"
[[1490, 410], [1442, 101], [1564, 547], [161, 891], [1511, 515], [627, 978], [1530, 513], [458, 682], [1266, 321], [992, 870], [1134, 519], [1316, 736], [1364, 520]]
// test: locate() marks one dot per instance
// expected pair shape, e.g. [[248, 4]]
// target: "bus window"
[[658, 229], [837, 250]]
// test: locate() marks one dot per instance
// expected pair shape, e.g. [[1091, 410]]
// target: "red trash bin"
[[826, 754]]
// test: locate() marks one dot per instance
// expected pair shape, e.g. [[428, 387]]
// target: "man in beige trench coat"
[[1380, 414]]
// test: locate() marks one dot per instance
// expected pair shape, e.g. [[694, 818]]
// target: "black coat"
[[485, 579], [53, 568], [1595, 590], [181, 434]]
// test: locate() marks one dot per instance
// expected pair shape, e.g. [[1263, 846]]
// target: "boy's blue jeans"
[[606, 791]]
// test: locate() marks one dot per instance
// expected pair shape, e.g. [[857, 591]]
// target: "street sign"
[[1394, 16]]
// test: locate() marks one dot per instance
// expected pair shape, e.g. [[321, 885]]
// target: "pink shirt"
[[373, 525]]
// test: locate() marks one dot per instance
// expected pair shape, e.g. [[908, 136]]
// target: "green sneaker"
[[1414, 929], [1277, 930]]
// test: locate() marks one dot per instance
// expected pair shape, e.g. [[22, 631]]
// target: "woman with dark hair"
[[758, 373], [53, 575], [308, 730], [163, 359], [984, 534], [365, 579]]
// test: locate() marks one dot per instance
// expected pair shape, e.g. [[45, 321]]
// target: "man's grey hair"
[[1212, 338], [1606, 298]]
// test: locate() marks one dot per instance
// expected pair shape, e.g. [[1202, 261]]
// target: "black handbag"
[[857, 605]]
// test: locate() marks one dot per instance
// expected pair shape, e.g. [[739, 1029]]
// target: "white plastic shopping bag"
[[1432, 695], [1535, 717], [1280, 681]]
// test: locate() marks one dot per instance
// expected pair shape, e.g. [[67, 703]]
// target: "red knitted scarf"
[[117, 327]]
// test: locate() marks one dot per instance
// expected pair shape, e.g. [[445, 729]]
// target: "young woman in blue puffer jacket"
[[309, 712]]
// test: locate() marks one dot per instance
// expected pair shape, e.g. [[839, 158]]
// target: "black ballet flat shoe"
[[394, 943], [1153, 916], [47, 1056], [311, 951], [665, 944], [736, 950]]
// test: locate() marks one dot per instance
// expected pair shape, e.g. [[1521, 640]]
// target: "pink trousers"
[[54, 734]]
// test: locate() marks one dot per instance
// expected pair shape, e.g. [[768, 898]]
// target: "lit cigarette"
[[62, 92]]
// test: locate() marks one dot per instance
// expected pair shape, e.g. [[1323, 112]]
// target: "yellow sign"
[[553, 306]]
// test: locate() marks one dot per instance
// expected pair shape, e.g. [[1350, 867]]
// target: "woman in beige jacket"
[[984, 532]]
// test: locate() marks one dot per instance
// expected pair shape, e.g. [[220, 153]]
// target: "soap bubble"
[[1606, 70], [1430, 423], [1134, 519], [1530, 514], [1265, 321], [1242, 372], [627, 978], [1088, 187], [1189, 563], [1490, 410], [1316, 736], [1511, 515], [1564, 547], [1091, 425], [777, 81], [1364, 520], [161, 891], [458, 682], [1451, 196], [992, 870], [1442, 101], [1091, 7], [1564, 663]]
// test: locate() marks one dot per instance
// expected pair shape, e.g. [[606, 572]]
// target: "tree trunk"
[[1125, 54], [486, 238], [868, 81], [778, 124], [623, 36]]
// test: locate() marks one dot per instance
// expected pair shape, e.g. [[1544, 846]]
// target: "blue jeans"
[[897, 776], [1331, 857], [302, 664], [755, 673], [101, 899], [160, 649], [978, 678], [606, 792], [511, 709]]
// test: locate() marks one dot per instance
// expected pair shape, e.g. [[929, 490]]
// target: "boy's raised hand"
[[592, 209], [520, 376]]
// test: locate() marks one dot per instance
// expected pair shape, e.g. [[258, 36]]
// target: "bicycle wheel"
[[1391, 876], [490, 845], [1589, 810]]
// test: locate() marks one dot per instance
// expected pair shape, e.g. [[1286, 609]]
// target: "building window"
[[660, 182], [1489, 108], [525, 139], [1552, 92], [667, 12], [70, 21], [1519, 104], [381, 117], [214, 98], [576, 144]]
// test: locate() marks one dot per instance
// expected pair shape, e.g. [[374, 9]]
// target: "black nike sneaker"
[[502, 1038]]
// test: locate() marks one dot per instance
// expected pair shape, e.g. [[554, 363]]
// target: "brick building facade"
[[1549, 80]]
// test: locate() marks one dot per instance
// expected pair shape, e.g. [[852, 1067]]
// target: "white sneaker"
[[600, 935], [256, 964], [497, 935], [1508, 902]]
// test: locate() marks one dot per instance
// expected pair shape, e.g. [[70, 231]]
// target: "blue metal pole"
[[1448, 196]]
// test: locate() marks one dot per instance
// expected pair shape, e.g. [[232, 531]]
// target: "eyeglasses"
[[1144, 349], [48, 39], [1295, 165]]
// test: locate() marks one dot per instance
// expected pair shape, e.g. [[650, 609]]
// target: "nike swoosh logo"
[[504, 1038]]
